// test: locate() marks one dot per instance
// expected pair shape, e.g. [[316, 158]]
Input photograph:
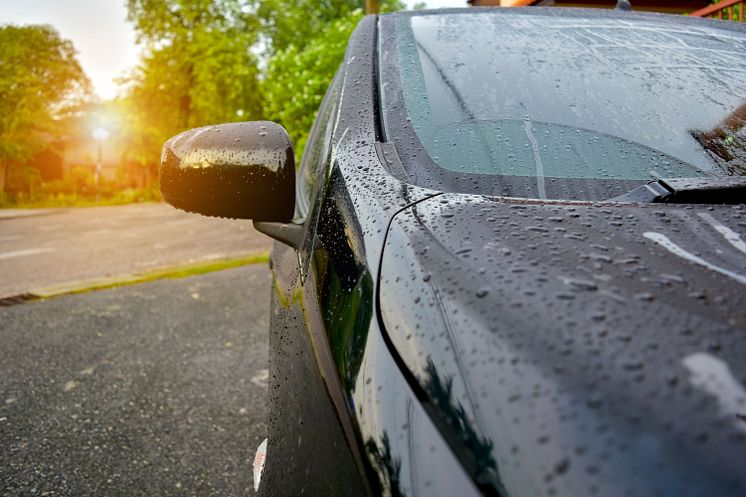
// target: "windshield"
[[566, 105]]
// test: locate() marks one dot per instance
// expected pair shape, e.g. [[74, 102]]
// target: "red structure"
[[668, 6], [731, 10]]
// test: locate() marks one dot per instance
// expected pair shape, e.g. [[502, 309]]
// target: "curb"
[[179, 271], [6, 214]]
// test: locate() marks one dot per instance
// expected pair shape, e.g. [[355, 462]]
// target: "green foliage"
[[77, 188], [198, 69], [201, 64], [295, 23], [286, 23], [27, 179], [40, 83], [58, 199], [306, 50], [297, 78], [169, 21]]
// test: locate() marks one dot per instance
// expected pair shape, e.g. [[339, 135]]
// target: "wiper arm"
[[707, 190]]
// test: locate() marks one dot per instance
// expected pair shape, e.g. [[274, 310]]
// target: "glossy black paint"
[[496, 346], [431, 344], [237, 170], [487, 376], [580, 354], [343, 419]]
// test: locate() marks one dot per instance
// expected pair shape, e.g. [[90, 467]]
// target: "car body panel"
[[573, 348], [327, 355], [347, 413]]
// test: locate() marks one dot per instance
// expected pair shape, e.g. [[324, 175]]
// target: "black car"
[[512, 261]]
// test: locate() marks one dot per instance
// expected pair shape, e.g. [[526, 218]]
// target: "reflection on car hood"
[[576, 349]]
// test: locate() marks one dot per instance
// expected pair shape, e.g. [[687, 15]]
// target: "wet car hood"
[[576, 349]]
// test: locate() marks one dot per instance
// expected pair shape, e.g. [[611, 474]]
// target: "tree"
[[298, 22], [41, 82], [198, 69], [297, 79], [201, 64], [163, 21], [303, 60]]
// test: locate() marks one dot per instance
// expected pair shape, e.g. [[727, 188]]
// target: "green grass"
[[50, 200], [206, 267], [183, 271]]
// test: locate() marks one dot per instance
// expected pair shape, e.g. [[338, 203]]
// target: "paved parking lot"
[[152, 389], [57, 246]]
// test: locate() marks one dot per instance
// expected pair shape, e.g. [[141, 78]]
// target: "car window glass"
[[569, 97], [318, 147]]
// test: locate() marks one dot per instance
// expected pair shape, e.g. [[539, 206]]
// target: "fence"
[[731, 10]]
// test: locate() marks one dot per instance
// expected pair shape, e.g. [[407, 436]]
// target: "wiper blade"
[[707, 190]]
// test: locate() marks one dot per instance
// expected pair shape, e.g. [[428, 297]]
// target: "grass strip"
[[182, 271]]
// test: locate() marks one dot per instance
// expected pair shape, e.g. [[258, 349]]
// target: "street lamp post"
[[100, 134]]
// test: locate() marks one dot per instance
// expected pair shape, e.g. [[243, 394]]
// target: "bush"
[[76, 188], [298, 78]]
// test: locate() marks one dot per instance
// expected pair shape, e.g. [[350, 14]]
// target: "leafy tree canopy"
[[163, 21], [203, 58], [298, 22], [297, 78], [41, 82], [307, 52], [198, 69]]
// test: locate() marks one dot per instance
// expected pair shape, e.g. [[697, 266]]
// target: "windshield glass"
[[562, 105]]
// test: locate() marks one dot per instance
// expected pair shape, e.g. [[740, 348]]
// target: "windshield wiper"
[[708, 190]]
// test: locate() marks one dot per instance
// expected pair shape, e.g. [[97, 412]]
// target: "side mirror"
[[237, 170]]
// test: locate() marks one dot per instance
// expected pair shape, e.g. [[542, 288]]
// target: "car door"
[[309, 449]]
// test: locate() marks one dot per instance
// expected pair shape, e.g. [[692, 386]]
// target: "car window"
[[318, 147], [563, 99]]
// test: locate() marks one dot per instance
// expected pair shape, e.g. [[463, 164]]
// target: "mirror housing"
[[236, 170]]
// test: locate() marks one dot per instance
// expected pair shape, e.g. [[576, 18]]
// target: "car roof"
[[569, 12]]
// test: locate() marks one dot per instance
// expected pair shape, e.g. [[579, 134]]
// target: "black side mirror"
[[237, 170]]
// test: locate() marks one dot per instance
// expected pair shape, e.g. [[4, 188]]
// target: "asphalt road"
[[67, 245], [155, 389]]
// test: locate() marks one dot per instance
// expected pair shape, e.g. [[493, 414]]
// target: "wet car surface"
[[477, 320]]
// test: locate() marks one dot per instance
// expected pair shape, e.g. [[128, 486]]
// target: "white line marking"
[[343, 135], [102, 231], [730, 235], [261, 378], [537, 158], [10, 237], [21, 253], [713, 376], [663, 241]]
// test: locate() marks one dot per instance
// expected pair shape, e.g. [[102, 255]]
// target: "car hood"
[[575, 349]]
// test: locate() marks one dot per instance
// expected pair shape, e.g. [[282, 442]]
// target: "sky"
[[104, 40]]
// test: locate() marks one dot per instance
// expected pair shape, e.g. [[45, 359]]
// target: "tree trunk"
[[185, 101], [3, 175], [371, 6]]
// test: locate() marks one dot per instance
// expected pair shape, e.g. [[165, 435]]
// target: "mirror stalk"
[[287, 233]]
